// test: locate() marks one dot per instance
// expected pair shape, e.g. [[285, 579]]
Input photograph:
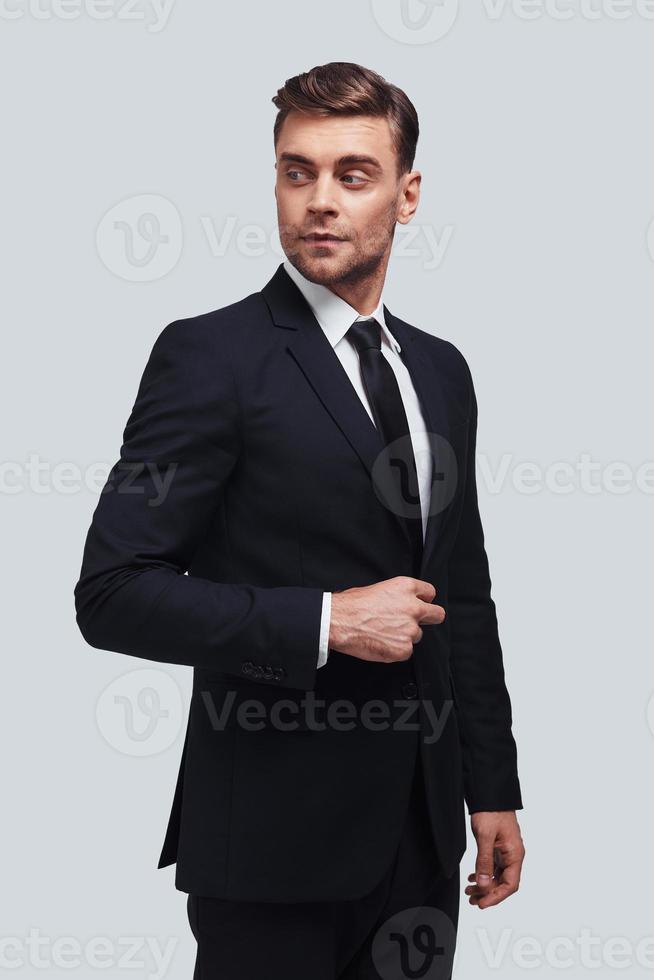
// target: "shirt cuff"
[[323, 650]]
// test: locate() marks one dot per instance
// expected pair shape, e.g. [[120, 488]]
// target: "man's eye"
[[354, 177], [290, 173]]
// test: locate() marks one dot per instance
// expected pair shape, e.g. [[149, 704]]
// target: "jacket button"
[[410, 691]]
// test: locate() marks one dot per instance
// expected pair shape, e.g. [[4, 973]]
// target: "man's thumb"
[[485, 863]]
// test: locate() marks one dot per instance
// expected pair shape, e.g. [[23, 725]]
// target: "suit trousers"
[[405, 927]]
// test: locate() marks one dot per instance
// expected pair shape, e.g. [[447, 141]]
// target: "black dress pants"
[[404, 928]]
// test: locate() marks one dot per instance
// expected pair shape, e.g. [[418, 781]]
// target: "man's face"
[[337, 176]]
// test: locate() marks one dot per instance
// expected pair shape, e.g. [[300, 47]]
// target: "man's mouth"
[[319, 238]]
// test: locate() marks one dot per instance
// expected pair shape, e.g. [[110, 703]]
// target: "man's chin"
[[322, 268]]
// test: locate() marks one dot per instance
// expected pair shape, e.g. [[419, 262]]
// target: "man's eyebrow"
[[348, 160]]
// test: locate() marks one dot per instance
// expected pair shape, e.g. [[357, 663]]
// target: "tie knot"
[[365, 334]]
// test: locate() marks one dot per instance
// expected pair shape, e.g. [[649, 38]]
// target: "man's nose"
[[323, 200]]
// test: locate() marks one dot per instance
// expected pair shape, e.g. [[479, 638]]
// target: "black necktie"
[[390, 418]]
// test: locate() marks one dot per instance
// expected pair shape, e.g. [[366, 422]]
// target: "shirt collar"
[[333, 313]]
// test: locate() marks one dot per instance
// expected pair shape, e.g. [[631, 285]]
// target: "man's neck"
[[363, 295]]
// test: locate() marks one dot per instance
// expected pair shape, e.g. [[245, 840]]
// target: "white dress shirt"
[[336, 316]]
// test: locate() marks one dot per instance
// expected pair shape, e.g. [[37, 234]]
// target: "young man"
[[348, 684]]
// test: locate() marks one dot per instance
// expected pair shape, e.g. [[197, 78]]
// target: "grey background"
[[536, 152]]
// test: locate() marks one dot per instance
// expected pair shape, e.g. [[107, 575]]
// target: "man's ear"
[[411, 197]]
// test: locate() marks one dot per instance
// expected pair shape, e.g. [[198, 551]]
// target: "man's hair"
[[346, 89]]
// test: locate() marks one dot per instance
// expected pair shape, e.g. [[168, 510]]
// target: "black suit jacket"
[[270, 503]]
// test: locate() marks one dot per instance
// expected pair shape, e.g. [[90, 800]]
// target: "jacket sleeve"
[[180, 444], [482, 700]]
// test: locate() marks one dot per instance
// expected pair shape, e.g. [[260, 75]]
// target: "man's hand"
[[500, 853], [381, 622]]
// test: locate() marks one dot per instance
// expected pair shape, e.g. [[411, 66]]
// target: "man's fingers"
[[485, 864], [504, 884], [497, 895], [510, 875], [424, 590], [431, 613]]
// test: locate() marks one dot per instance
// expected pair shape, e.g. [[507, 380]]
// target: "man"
[[348, 685]]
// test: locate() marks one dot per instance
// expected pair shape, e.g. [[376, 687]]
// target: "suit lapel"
[[317, 359], [320, 364], [431, 395]]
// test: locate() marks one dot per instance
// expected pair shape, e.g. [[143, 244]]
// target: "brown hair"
[[345, 88]]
